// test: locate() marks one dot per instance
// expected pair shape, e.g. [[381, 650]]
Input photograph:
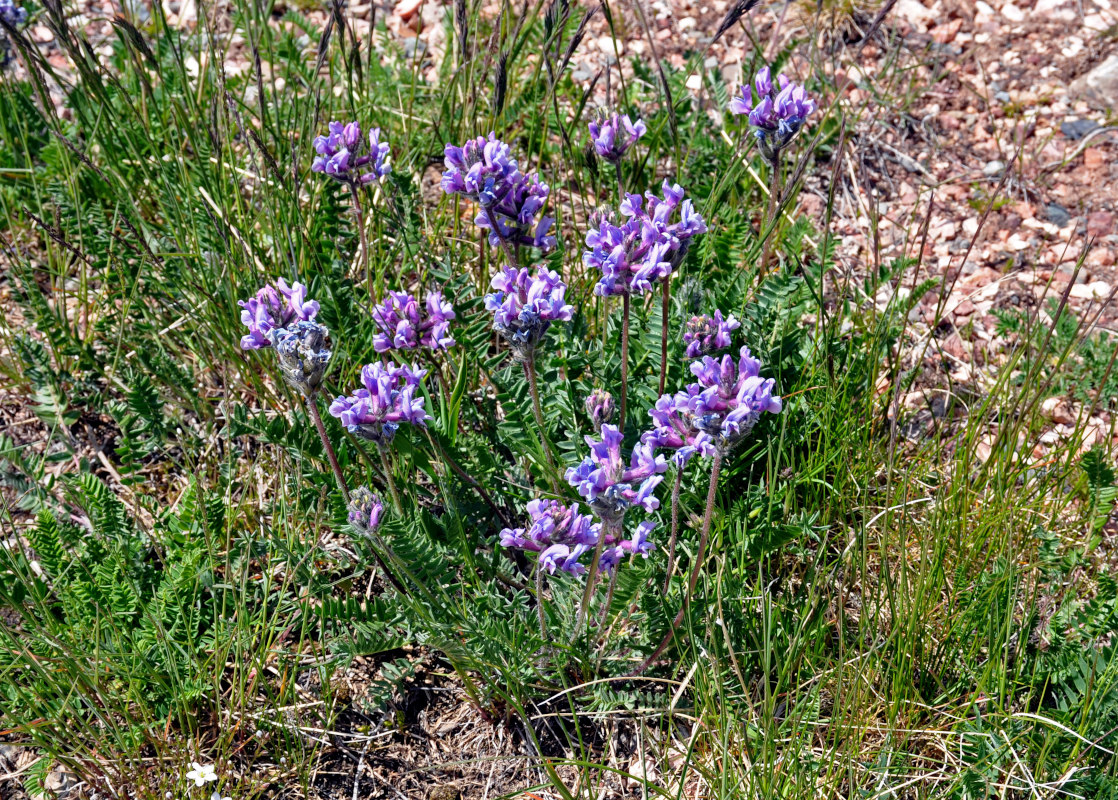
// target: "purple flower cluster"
[[562, 535], [775, 116], [275, 306], [607, 484], [403, 326], [601, 408], [525, 306], [644, 248], [365, 510], [342, 154], [715, 413], [615, 134], [13, 15], [387, 399], [705, 335], [484, 171]]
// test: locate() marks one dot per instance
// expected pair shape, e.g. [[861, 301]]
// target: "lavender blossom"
[[12, 15], [387, 399], [647, 246], [776, 117], [607, 484], [562, 535], [365, 510], [730, 400], [705, 335], [275, 306], [524, 307], [674, 427], [302, 354], [601, 408], [403, 326], [342, 154], [613, 135], [484, 171]]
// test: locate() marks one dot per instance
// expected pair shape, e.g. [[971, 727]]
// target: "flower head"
[[525, 306], [277, 305], [730, 400], [484, 171], [404, 325], [201, 774], [302, 354], [385, 401], [607, 483], [601, 408], [13, 15], [562, 535], [613, 135], [647, 246], [705, 335], [365, 510], [344, 156], [776, 116], [673, 428]]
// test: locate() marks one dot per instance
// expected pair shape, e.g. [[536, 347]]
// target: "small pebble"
[[993, 168]]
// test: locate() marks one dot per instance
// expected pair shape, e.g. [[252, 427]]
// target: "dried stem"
[[312, 407], [675, 526], [700, 557]]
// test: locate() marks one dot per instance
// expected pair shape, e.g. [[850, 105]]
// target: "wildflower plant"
[[704, 336], [13, 16], [612, 135], [402, 324], [277, 305], [525, 305]]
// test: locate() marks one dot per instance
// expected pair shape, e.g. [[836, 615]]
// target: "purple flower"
[[387, 399], [562, 535], [647, 246], [277, 305], [365, 510], [729, 401], [403, 326], [484, 171], [607, 484], [673, 428], [524, 307], [13, 15], [705, 335], [601, 408], [615, 134], [775, 116], [342, 154]]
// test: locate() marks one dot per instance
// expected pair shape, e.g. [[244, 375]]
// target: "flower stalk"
[[331, 456]]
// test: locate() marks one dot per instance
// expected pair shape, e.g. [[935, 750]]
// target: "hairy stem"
[[388, 479], [363, 261], [700, 557], [769, 227], [592, 575], [675, 526], [624, 361], [539, 611], [666, 284], [312, 407], [537, 410]]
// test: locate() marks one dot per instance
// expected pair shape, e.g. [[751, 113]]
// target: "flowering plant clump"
[[730, 400], [562, 535], [524, 306], [646, 247], [607, 484], [776, 117], [343, 156], [365, 510], [484, 171], [403, 326], [277, 305], [387, 399], [302, 354], [601, 408], [13, 15], [613, 135], [673, 427], [704, 336]]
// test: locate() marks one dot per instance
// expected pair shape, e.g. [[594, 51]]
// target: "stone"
[[914, 13], [1100, 223], [1099, 87], [405, 8], [1058, 410], [1096, 290], [1013, 13], [1077, 128], [1057, 214], [1094, 158], [993, 168]]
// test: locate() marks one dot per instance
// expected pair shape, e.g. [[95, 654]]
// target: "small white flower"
[[201, 775], [217, 796]]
